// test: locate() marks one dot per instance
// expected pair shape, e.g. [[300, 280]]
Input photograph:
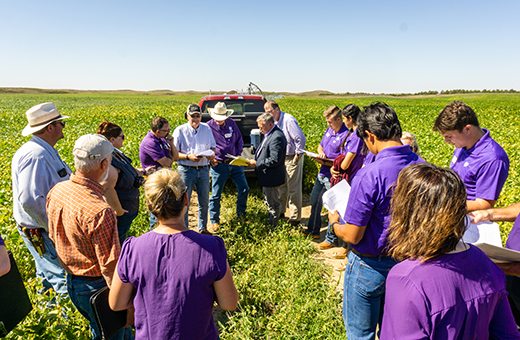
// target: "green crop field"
[[285, 293]]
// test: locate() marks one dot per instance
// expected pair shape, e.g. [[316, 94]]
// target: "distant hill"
[[315, 93]]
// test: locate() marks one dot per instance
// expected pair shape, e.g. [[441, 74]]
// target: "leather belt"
[[367, 255], [86, 278], [198, 167]]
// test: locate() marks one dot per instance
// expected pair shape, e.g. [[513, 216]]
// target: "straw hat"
[[220, 111], [40, 116]]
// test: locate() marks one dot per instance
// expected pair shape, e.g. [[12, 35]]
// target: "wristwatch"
[[332, 226]]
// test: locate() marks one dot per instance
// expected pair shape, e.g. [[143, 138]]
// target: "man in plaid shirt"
[[83, 227]]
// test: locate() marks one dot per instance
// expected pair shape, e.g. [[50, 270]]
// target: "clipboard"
[[13, 298], [108, 321]]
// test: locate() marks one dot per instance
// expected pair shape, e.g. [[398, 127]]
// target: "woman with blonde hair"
[[172, 275], [443, 288]]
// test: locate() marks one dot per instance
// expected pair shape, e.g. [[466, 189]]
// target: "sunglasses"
[[122, 137], [62, 123]]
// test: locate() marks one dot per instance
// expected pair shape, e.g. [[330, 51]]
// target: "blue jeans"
[[80, 290], [48, 267], [198, 179], [123, 225], [321, 185], [363, 294], [219, 175]]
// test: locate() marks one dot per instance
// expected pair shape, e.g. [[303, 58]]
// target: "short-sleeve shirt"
[[190, 141], [483, 168], [173, 275], [152, 149], [513, 240], [354, 144], [370, 194], [331, 144], [83, 227], [228, 139], [455, 296]]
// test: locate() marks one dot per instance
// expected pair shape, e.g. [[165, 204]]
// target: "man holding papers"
[[196, 146], [229, 142], [479, 161], [291, 191], [367, 218], [269, 165]]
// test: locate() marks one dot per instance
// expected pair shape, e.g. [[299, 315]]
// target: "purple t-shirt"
[[331, 144], [456, 296], [513, 240], [2, 243], [369, 200], [152, 149], [173, 276], [483, 168], [228, 139], [354, 144]]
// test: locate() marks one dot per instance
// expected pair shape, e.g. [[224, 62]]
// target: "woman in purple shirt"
[[444, 288], [172, 275]]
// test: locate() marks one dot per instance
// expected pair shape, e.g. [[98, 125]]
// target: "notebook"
[[109, 322], [14, 301]]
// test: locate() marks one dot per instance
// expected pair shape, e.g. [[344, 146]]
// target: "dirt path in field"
[[335, 265]]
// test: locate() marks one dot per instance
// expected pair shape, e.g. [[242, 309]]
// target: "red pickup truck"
[[246, 108]]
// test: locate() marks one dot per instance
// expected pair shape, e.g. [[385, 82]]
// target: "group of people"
[[401, 230], [75, 225]]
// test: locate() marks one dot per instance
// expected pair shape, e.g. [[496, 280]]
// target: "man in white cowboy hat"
[[229, 142], [36, 168], [196, 145]]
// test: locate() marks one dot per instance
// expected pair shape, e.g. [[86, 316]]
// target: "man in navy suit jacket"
[[269, 165]]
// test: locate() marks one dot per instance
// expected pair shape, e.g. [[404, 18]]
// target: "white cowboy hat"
[[220, 111], [41, 115]]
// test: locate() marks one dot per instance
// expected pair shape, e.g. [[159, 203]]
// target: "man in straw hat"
[[84, 228], [36, 168], [196, 146], [229, 142]]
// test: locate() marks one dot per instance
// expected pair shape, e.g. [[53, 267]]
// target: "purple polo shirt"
[[483, 168], [369, 200], [152, 149], [458, 296], [228, 139], [354, 144], [513, 240], [331, 144]]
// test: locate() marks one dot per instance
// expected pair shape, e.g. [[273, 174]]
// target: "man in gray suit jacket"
[[269, 165]]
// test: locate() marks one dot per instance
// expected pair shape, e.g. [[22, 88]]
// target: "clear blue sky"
[[355, 46]]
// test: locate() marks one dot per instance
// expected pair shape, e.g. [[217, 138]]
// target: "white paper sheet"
[[207, 153], [336, 198], [482, 232]]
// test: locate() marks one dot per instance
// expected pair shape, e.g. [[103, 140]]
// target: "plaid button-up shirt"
[[83, 228]]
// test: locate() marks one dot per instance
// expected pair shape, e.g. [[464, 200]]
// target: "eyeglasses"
[[62, 123], [196, 116], [122, 137]]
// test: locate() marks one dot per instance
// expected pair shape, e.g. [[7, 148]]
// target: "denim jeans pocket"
[[370, 281], [85, 288]]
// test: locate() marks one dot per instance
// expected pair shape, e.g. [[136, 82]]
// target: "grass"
[[284, 292]]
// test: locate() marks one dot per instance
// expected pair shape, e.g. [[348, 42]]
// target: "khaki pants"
[[291, 191]]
